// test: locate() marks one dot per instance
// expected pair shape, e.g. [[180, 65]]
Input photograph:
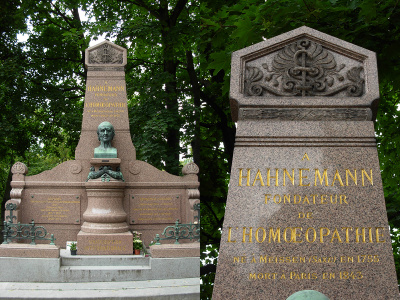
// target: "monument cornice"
[[304, 68]]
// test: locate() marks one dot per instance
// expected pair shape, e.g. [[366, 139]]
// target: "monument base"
[[173, 250], [27, 250], [105, 244]]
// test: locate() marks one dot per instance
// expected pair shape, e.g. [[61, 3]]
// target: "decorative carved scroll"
[[106, 54], [303, 68]]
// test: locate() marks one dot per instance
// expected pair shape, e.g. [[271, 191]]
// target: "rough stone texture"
[[26, 250], [334, 240], [58, 198], [172, 250]]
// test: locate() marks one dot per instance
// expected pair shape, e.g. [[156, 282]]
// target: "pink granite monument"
[[105, 193], [305, 213]]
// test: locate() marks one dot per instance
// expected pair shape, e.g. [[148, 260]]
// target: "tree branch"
[[177, 11], [140, 3]]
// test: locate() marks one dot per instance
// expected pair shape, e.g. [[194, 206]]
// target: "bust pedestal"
[[105, 230]]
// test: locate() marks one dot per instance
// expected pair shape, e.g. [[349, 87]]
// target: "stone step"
[[169, 289], [68, 260]]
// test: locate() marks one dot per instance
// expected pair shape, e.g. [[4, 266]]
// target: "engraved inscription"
[[54, 208], [107, 102], [105, 245], [154, 209]]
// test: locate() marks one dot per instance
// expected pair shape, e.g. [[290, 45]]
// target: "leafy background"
[[177, 83]]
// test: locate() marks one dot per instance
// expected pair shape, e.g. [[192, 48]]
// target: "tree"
[[177, 81]]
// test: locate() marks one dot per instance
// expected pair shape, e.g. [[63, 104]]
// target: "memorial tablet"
[[305, 208]]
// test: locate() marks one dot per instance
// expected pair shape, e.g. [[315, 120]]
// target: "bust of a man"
[[105, 133]]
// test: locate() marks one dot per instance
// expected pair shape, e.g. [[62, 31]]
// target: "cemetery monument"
[[103, 196], [305, 213]]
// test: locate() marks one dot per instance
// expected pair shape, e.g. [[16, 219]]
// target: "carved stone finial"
[[106, 54], [190, 168], [303, 68], [19, 168]]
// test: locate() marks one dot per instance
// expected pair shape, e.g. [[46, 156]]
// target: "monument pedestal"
[[105, 231], [105, 244]]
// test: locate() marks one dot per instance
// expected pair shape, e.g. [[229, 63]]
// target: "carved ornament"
[[75, 168], [303, 68], [190, 168], [19, 168], [106, 54]]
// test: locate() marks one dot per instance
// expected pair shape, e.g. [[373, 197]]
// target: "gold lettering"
[[347, 232], [363, 172], [348, 173], [295, 235], [259, 178], [279, 197], [379, 234], [314, 235], [291, 178], [322, 235], [275, 236], [269, 177], [301, 177], [337, 177], [247, 234], [285, 234], [370, 234], [360, 234], [247, 177], [230, 235], [321, 178], [264, 235], [267, 198], [335, 235]]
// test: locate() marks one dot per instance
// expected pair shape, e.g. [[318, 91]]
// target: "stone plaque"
[[107, 102], [105, 244], [305, 207], [154, 208], [54, 208]]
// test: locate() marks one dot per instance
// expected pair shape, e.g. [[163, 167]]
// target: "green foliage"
[[72, 247], [177, 83]]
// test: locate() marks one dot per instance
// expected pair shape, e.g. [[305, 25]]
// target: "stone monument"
[[305, 211], [105, 193]]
